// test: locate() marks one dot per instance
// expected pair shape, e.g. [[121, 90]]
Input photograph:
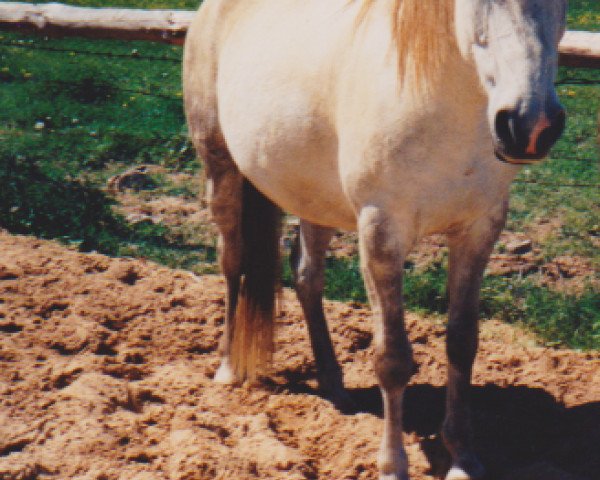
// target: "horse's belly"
[[289, 153], [298, 171], [308, 199], [278, 126]]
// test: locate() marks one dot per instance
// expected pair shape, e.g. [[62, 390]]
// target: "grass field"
[[75, 112]]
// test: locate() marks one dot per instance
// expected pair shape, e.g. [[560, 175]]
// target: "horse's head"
[[514, 45]]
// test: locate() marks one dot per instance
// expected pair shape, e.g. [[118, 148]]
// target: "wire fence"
[[136, 56], [133, 55], [128, 91], [557, 185]]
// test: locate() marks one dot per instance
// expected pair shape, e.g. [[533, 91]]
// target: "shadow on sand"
[[520, 433]]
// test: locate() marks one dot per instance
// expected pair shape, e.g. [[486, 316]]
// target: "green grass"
[[76, 107], [573, 161], [557, 318], [79, 214], [74, 112], [584, 15]]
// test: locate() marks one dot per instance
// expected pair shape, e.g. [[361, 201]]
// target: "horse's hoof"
[[393, 465], [466, 469], [457, 473], [225, 374]]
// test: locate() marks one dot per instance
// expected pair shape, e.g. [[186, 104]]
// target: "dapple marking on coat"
[[395, 118]]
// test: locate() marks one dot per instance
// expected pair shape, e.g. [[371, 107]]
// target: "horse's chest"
[[434, 194]]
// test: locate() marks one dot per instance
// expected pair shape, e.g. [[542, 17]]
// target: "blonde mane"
[[423, 32]]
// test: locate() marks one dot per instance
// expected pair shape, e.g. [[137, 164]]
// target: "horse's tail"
[[253, 328]]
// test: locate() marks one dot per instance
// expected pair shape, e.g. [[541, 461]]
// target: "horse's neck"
[[455, 97], [454, 85]]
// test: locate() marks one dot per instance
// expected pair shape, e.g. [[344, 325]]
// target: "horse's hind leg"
[[469, 254], [308, 265], [225, 193]]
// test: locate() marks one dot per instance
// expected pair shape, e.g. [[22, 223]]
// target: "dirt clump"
[[106, 372]]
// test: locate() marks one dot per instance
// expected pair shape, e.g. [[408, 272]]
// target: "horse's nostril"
[[521, 137], [505, 127]]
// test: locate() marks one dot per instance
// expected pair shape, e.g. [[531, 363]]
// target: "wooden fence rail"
[[580, 49], [55, 19], [577, 49]]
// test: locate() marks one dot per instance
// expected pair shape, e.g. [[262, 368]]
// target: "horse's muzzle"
[[519, 141]]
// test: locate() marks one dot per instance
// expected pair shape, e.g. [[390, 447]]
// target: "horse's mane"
[[422, 30]]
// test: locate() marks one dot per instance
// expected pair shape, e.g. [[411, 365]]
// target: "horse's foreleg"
[[308, 265], [382, 252], [469, 254], [224, 191]]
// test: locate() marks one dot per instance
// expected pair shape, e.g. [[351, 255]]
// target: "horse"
[[393, 118]]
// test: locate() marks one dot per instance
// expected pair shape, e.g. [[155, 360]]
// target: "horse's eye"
[[482, 38]]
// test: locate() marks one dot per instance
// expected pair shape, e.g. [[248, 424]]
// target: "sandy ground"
[[517, 253], [106, 367]]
